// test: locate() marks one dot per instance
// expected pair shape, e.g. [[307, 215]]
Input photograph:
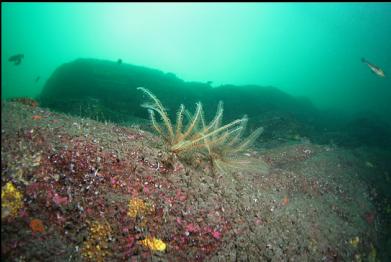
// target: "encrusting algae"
[[11, 200], [153, 244], [96, 246], [138, 207], [354, 241]]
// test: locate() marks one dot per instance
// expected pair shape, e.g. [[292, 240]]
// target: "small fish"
[[377, 70], [17, 59], [119, 61], [37, 79]]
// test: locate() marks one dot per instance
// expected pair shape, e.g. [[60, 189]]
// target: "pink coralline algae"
[[60, 200], [192, 228], [216, 234]]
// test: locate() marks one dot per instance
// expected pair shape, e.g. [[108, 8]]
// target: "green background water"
[[311, 50]]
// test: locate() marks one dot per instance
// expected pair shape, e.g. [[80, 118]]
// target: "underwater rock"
[[102, 90]]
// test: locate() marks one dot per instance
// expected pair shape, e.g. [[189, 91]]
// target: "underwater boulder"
[[107, 90], [84, 84]]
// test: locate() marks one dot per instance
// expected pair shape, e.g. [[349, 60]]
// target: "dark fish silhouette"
[[119, 61], [17, 59], [377, 70], [37, 79]]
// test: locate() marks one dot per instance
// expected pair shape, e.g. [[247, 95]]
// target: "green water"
[[312, 50]]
